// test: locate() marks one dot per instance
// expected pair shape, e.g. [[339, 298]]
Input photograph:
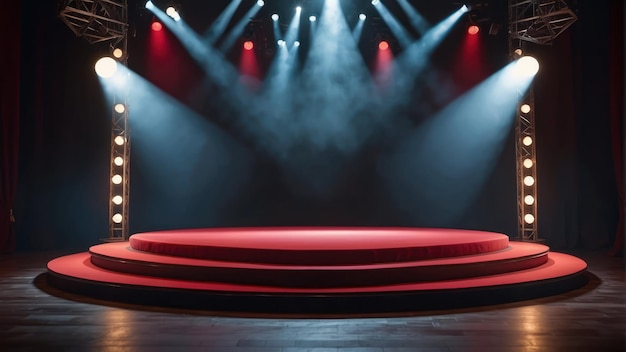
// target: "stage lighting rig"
[[539, 21], [95, 20]]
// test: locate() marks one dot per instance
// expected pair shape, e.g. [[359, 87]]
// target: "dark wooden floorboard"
[[36, 317]]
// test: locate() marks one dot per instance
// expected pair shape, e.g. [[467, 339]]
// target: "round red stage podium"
[[317, 270]]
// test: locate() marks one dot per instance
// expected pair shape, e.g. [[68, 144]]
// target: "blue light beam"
[[403, 36], [218, 27], [442, 166], [417, 20]]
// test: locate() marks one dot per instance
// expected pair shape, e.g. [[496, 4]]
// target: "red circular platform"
[[319, 246]]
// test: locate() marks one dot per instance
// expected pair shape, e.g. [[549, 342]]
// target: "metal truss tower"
[[531, 22], [106, 21]]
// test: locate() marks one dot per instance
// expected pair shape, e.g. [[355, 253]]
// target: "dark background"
[[60, 201]]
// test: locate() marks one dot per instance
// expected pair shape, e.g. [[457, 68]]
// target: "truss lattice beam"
[[95, 20], [539, 21]]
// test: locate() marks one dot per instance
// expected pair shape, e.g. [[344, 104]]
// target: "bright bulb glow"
[[529, 181], [529, 200], [118, 53], [528, 163], [527, 66], [260, 3], [119, 108], [529, 218], [275, 17], [362, 17], [465, 8], [473, 29], [117, 200], [171, 11], [312, 18], [296, 43], [374, 2], [383, 45], [117, 218], [157, 26], [119, 140], [518, 52], [248, 45], [525, 108], [149, 4], [281, 42], [106, 67], [527, 141], [116, 179], [298, 9], [119, 161]]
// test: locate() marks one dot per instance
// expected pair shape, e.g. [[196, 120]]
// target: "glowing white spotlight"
[[529, 218], [171, 11], [527, 66], [119, 161], [312, 18], [465, 8], [362, 17], [528, 141], [375, 2], [525, 108], [529, 181], [119, 140], [296, 44], [118, 53], [275, 17], [119, 108], [298, 9], [117, 218], [149, 4], [106, 67], [528, 163], [260, 3], [529, 200], [116, 179], [280, 42], [117, 200]]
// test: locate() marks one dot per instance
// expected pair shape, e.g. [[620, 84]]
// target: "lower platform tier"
[[77, 274]]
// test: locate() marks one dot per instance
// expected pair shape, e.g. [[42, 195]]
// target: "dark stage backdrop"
[[62, 190]]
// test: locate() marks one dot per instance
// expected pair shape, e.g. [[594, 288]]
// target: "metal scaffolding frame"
[[100, 21], [531, 22]]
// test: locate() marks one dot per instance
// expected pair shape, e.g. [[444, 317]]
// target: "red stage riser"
[[120, 258]]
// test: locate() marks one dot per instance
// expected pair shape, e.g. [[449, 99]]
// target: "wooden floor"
[[36, 317]]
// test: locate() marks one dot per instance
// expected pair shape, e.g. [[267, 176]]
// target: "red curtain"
[[617, 112], [10, 22]]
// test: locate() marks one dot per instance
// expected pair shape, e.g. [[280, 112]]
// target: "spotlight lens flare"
[[375, 2], [298, 9], [280, 42], [275, 17], [362, 17], [156, 26], [525, 108], [473, 29], [260, 3], [171, 11], [248, 45], [296, 44], [106, 67], [383, 45], [527, 66], [312, 18]]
